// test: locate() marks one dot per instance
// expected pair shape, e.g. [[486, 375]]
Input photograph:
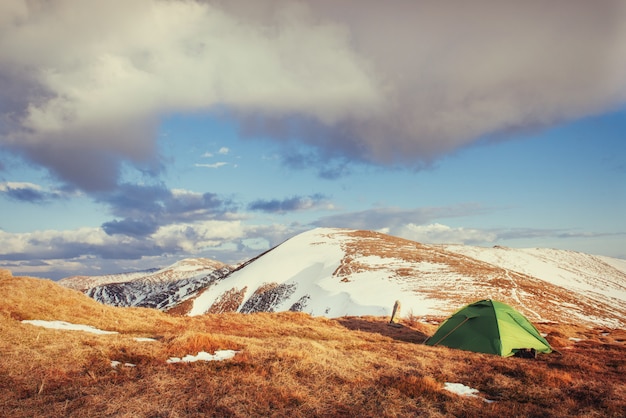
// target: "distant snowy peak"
[[337, 272], [180, 269], [183, 269], [83, 283], [160, 288]]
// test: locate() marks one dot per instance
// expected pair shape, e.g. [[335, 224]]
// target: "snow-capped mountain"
[[340, 272], [83, 283], [159, 288], [337, 272]]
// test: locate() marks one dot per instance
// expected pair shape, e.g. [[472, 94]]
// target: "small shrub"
[[411, 319]]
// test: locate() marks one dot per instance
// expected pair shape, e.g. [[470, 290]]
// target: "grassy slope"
[[289, 364]]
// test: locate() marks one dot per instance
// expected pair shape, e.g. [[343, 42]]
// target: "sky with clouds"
[[134, 133]]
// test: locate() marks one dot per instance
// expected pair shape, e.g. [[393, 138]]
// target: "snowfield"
[[569, 269], [308, 265]]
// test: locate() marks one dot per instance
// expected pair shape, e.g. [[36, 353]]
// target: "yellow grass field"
[[287, 365]]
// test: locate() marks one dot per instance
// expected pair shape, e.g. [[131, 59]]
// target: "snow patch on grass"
[[66, 326], [462, 390], [204, 356], [115, 363]]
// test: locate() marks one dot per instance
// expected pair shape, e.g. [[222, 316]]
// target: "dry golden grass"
[[288, 364]]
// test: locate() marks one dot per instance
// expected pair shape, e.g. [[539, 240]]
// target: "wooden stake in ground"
[[395, 314]]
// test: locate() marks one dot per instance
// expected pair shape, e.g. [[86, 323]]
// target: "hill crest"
[[339, 272], [342, 272]]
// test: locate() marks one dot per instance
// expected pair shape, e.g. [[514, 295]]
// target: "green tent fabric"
[[488, 326]]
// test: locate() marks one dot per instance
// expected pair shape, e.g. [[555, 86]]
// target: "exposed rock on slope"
[[161, 289]]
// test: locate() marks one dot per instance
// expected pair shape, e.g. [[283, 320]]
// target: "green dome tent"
[[492, 327]]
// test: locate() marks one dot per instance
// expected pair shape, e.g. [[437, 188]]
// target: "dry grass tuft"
[[288, 364], [192, 342]]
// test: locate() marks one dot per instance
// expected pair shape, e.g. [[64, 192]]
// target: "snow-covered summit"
[[338, 272]]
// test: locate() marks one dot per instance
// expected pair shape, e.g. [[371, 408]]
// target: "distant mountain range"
[[155, 288], [340, 272]]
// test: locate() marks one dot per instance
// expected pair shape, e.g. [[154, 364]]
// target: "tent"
[[488, 326]]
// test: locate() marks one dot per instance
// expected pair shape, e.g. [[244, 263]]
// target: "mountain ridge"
[[341, 272], [162, 288]]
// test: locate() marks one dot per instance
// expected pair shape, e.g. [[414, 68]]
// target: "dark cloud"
[[14, 261], [132, 251], [27, 192], [144, 208], [133, 200], [131, 227], [334, 171], [187, 206], [452, 74], [329, 167], [293, 204], [91, 158], [82, 97]]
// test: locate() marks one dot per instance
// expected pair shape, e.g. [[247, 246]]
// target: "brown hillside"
[[32, 298], [288, 364]]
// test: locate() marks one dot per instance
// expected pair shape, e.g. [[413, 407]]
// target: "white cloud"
[[196, 237], [31, 242], [190, 236], [88, 250], [214, 165], [12, 185], [442, 234], [222, 151], [179, 55], [183, 193]]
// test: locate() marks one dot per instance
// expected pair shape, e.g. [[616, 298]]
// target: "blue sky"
[[220, 130]]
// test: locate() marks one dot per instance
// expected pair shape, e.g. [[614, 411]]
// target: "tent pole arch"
[[451, 331]]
